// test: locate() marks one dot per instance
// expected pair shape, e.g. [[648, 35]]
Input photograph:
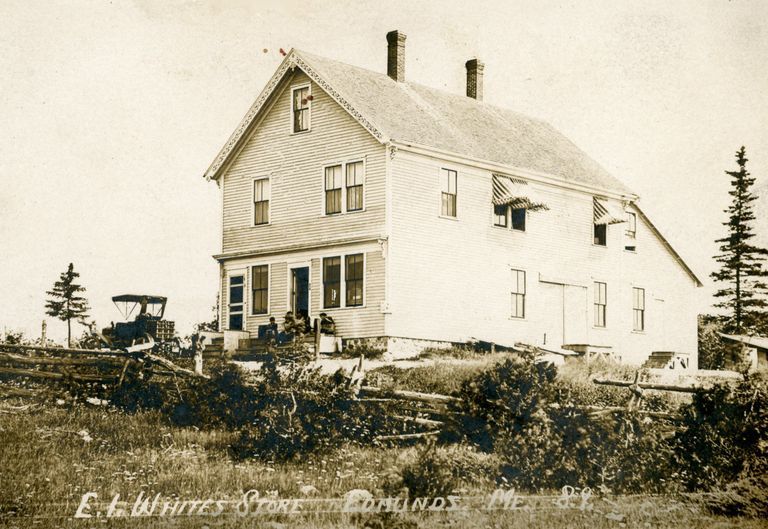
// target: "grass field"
[[50, 456]]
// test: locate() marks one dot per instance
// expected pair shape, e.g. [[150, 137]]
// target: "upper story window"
[[300, 108], [600, 303], [518, 216], [354, 186], [344, 184], [631, 232], [518, 293], [333, 189], [261, 194], [601, 234], [448, 179], [260, 289], [638, 309], [500, 214]]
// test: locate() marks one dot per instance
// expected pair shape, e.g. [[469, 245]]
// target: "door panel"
[[300, 291], [235, 307], [575, 315]]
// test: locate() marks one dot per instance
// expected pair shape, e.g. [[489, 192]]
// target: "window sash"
[[500, 216], [353, 276], [301, 109], [518, 216], [260, 289], [631, 225], [638, 309], [600, 235], [448, 205], [333, 189], [600, 303], [331, 282], [261, 196], [448, 184], [354, 181], [518, 293]]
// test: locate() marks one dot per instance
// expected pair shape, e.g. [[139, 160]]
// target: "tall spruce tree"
[[65, 303], [743, 295]]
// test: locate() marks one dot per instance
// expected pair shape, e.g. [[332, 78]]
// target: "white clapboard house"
[[417, 217]]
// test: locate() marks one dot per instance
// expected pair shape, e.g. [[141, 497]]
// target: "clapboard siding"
[[294, 163], [459, 270]]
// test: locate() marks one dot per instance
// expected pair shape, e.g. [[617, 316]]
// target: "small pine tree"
[[741, 270], [65, 303]]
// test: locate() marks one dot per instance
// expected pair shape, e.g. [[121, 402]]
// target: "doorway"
[[300, 292], [236, 286]]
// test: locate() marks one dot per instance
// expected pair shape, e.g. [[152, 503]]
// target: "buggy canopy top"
[[153, 305]]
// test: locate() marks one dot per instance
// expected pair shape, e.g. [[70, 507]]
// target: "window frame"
[[253, 290], [515, 294], [600, 309], [268, 201], [630, 234], [455, 193], [638, 310], [243, 312], [340, 189], [604, 227], [344, 189], [308, 86], [343, 280], [325, 282]]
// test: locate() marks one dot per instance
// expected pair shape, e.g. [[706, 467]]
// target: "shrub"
[[746, 497], [725, 434], [298, 410], [511, 409], [440, 471]]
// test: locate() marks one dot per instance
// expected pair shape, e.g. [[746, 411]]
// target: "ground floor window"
[[600, 303], [260, 289], [331, 282], [638, 309], [518, 293], [351, 275], [354, 279]]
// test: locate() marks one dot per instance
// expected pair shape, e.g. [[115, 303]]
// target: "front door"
[[236, 285], [300, 291]]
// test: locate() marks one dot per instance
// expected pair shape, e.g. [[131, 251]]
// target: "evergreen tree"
[[743, 295], [65, 303]]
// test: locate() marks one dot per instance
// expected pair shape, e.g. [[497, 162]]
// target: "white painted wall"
[[451, 278]]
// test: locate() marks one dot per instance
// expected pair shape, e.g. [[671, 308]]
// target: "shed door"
[[575, 315]]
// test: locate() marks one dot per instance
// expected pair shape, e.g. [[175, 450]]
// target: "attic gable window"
[[448, 181], [261, 195], [300, 108], [354, 186]]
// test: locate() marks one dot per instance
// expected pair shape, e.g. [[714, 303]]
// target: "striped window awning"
[[606, 212], [508, 191]]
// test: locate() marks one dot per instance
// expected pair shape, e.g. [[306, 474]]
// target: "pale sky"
[[112, 112]]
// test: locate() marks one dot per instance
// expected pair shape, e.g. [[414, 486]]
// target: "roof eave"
[[669, 247], [529, 174]]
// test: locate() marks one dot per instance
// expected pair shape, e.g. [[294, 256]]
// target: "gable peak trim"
[[291, 61]]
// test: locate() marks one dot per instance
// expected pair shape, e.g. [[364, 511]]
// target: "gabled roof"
[[412, 113]]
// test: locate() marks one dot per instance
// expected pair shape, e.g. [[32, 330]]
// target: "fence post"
[[43, 338], [317, 339]]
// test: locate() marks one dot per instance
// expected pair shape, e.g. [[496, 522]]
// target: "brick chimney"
[[396, 55], [475, 79]]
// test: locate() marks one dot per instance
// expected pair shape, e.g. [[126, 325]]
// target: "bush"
[[440, 471], [512, 409], [725, 434], [746, 497], [298, 410]]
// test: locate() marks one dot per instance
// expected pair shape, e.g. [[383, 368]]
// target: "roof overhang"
[[668, 246]]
